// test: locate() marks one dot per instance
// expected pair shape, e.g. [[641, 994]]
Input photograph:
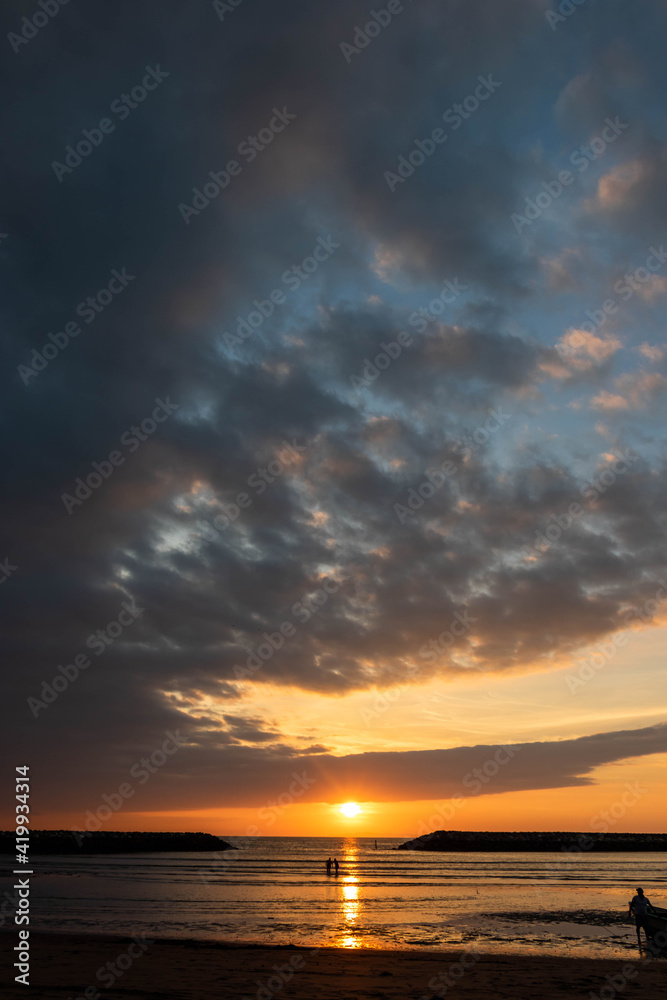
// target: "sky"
[[334, 379]]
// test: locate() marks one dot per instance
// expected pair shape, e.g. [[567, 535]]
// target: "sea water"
[[277, 891]]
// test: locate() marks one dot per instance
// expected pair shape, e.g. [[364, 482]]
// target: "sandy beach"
[[65, 966]]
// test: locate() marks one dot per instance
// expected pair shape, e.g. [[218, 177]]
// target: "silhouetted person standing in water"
[[336, 865], [639, 905], [328, 866]]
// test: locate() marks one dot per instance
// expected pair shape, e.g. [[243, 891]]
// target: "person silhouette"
[[638, 908], [336, 865], [329, 866]]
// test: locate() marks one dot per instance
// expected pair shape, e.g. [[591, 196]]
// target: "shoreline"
[[65, 964]]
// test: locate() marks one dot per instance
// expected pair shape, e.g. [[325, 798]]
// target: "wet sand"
[[63, 966]]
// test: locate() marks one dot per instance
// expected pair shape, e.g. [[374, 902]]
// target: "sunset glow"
[[334, 580], [382, 545]]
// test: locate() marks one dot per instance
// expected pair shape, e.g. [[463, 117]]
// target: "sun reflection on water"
[[350, 896]]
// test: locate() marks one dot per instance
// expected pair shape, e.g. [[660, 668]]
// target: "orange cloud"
[[636, 390], [615, 186], [652, 288], [579, 351], [607, 401], [651, 352]]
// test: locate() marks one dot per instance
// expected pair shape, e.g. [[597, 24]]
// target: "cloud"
[[194, 525], [583, 349], [607, 401], [248, 776], [653, 288], [616, 186], [579, 352], [652, 352], [636, 391], [561, 270]]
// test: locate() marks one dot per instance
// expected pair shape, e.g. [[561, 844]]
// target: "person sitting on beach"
[[336, 865], [328, 866], [639, 905]]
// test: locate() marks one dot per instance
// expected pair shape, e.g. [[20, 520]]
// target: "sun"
[[350, 809]]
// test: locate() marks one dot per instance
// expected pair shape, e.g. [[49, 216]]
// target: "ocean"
[[276, 891]]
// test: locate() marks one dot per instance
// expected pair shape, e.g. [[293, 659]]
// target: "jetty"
[[112, 842], [473, 840]]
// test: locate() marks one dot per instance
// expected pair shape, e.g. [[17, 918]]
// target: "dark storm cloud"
[[255, 776], [147, 533], [414, 775]]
